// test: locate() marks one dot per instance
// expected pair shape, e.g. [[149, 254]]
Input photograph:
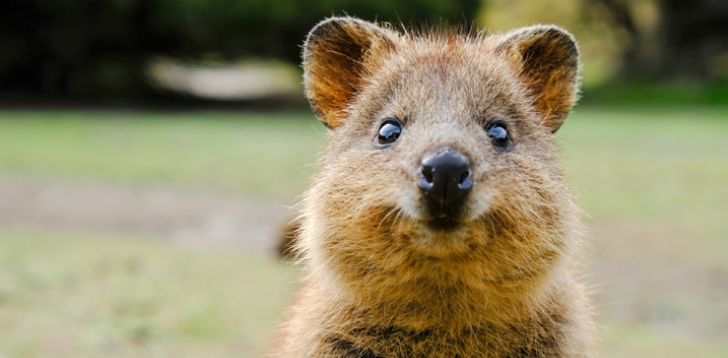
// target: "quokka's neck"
[[420, 303], [468, 326]]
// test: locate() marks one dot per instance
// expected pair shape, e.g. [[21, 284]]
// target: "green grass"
[[651, 163], [630, 340], [253, 154], [69, 294]]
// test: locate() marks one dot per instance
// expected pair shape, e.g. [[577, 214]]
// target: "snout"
[[445, 181]]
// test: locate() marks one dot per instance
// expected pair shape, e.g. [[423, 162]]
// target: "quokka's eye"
[[390, 131], [498, 132]]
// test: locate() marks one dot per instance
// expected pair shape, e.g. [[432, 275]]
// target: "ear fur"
[[547, 58], [337, 54]]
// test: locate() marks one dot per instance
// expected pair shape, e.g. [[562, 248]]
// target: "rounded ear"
[[547, 59], [337, 54]]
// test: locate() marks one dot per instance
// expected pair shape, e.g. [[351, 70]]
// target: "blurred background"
[[150, 151]]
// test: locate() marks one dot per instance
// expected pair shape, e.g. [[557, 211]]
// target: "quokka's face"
[[436, 138]]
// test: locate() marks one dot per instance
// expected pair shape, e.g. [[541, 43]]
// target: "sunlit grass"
[[82, 295], [630, 340], [650, 163], [254, 154]]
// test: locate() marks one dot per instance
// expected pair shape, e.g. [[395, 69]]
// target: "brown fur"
[[380, 282]]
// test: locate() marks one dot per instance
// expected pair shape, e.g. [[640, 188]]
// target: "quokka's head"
[[440, 143]]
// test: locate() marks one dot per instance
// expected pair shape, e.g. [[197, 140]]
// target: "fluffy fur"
[[380, 282]]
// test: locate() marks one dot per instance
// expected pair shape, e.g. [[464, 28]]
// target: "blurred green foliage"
[[635, 51], [92, 49], [658, 51]]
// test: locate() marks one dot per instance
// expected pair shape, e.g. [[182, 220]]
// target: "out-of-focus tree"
[[599, 43], [669, 39], [100, 48]]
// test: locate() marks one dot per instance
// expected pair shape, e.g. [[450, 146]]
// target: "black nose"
[[445, 180]]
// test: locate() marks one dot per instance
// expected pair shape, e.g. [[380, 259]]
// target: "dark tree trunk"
[[693, 33]]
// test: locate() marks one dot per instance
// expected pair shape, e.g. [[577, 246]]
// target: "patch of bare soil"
[[188, 217]]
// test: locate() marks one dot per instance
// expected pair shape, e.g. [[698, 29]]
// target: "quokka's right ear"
[[337, 54]]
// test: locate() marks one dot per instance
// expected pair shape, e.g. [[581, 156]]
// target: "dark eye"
[[498, 132], [390, 131]]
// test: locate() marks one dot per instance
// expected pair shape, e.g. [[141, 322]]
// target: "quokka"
[[440, 224]]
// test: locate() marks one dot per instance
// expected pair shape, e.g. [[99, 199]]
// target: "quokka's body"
[[440, 224]]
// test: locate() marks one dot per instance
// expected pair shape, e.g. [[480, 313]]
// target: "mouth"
[[443, 224]]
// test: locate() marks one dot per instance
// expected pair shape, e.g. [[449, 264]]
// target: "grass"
[[253, 154], [630, 340], [652, 178], [651, 163], [81, 295]]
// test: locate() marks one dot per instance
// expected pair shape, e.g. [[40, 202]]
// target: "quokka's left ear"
[[547, 58]]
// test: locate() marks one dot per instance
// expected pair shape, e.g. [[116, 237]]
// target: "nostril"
[[427, 173], [466, 181], [464, 176], [426, 180]]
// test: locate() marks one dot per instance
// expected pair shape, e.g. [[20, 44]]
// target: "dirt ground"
[[185, 217], [639, 271]]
